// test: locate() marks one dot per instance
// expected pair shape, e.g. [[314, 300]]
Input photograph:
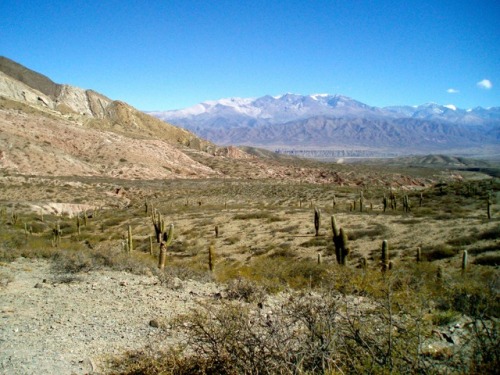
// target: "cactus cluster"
[[394, 203], [163, 236], [161, 233], [341, 243], [14, 216], [406, 204], [56, 235]]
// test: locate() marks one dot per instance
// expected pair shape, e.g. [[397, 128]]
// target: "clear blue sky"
[[159, 55]]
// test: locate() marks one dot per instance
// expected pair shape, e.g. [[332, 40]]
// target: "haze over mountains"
[[335, 125]]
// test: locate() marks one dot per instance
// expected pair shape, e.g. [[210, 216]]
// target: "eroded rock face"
[[85, 102], [20, 83]]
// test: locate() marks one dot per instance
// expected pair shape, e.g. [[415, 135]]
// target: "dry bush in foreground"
[[382, 326]]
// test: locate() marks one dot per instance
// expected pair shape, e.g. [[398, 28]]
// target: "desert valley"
[[130, 245]]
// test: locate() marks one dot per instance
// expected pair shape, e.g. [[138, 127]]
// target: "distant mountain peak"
[[335, 120]]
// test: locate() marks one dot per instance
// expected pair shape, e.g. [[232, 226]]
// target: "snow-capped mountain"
[[235, 112], [323, 120]]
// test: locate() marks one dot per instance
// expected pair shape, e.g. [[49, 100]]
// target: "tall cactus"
[[336, 235], [130, 241], [344, 246], [162, 260], [167, 240], [169, 236], [317, 220], [489, 202], [78, 224], [384, 202], [385, 255], [211, 258], [439, 273], [159, 225], [363, 263], [464, 261], [361, 201]]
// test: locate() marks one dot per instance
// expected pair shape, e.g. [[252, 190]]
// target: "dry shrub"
[[484, 249], [86, 260], [254, 215], [377, 231], [439, 252], [309, 333], [5, 278], [488, 260], [317, 242], [244, 290]]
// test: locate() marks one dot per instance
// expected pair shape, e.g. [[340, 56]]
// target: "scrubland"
[[287, 305]]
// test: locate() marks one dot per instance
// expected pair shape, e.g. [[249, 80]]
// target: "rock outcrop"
[[23, 84]]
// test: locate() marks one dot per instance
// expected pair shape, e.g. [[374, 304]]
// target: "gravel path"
[[49, 325]]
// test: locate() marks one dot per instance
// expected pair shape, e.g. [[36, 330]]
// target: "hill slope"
[[53, 129]]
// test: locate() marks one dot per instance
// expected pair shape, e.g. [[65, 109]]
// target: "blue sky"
[[159, 55]]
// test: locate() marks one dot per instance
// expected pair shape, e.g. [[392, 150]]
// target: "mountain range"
[[338, 125], [53, 133]]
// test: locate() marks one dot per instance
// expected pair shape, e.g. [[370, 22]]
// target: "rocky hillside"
[[52, 129]]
